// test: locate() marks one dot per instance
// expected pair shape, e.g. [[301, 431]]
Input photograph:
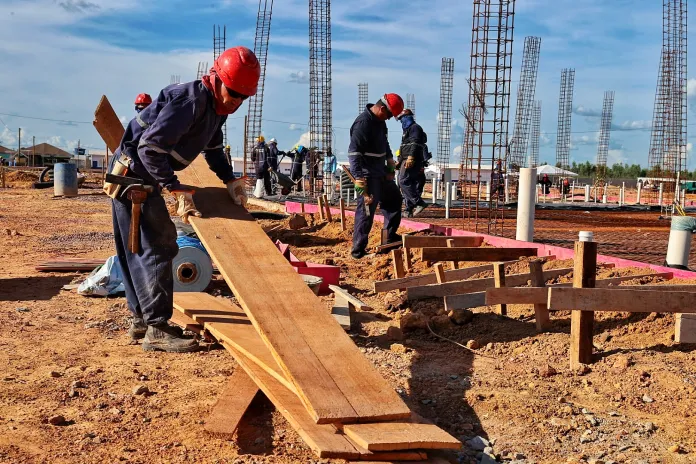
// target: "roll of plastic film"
[[192, 267]]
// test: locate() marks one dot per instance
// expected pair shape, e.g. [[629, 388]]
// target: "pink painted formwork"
[[542, 250], [330, 275]]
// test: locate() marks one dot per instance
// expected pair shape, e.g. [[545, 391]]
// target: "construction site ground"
[[64, 354]]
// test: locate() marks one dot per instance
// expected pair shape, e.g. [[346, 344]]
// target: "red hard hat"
[[394, 102], [143, 99], [239, 70]]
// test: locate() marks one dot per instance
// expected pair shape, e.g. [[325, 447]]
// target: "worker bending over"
[[372, 164], [260, 155], [164, 138], [297, 155], [411, 159]]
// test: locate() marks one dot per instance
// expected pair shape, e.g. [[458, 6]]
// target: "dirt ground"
[[635, 404]]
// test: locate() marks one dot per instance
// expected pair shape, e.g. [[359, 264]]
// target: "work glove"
[[360, 186], [410, 162], [185, 206], [237, 191], [391, 166]]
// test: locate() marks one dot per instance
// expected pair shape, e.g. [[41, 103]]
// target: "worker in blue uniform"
[[373, 166], [259, 155], [272, 161], [297, 155], [411, 159], [165, 137]]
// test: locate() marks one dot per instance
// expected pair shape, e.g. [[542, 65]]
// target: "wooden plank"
[[107, 124], [476, 285], [476, 254], [541, 312], [581, 322], [231, 404], [398, 260], [465, 301], [320, 207], [186, 323], [70, 264], [429, 241], [433, 460], [355, 301], [342, 207], [450, 244], [231, 327], [388, 436], [327, 208], [524, 295], [334, 380], [634, 301], [499, 281], [407, 255], [341, 311], [439, 273]]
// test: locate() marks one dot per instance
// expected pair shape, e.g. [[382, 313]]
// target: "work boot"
[[409, 213], [419, 208], [396, 238], [163, 337], [357, 254], [137, 329]]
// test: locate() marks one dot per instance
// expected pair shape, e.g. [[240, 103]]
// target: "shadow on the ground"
[[32, 288]]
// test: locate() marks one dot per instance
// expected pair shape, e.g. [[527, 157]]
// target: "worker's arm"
[[159, 139], [215, 156], [358, 141]]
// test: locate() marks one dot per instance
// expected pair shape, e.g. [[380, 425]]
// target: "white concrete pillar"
[[679, 244], [448, 199], [604, 198], [454, 191], [507, 191], [640, 189], [587, 193], [659, 201], [526, 205], [488, 191], [536, 191], [434, 190], [572, 192]]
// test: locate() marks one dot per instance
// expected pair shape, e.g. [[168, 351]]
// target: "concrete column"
[[572, 192], [536, 194], [434, 190], [448, 199], [587, 193], [604, 199], [454, 191], [526, 205], [659, 201], [507, 190], [488, 191], [640, 189]]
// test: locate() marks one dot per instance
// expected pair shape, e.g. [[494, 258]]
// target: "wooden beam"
[[295, 325], [541, 312], [398, 260], [602, 299], [476, 285], [499, 280], [341, 311], [407, 254], [327, 207], [476, 254], [186, 323], [582, 322], [355, 301], [107, 124], [439, 273], [342, 207], [390, 436], [320, 207], [231, 404], [465, 301], [450, 244], [429, 241]]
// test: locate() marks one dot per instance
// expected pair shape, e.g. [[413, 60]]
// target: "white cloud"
[[303, 140], [299, 77], [590, 113], [632, 125], [691, 93], [295, 127], [616, 157]]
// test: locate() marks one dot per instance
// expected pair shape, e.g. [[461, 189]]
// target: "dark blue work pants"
[[409, 181], [385, 194], [147, 275]]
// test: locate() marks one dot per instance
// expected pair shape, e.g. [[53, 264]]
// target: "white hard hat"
[[273, 140]]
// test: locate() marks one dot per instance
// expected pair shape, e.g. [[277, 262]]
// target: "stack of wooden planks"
[[285, 340]]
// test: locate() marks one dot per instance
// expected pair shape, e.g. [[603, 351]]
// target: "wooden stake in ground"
[[499, 276], [407, 254], [320, 207], [342, 206], [541, 311], [398, 260], [439, 273], [450, 244], [327, 206], [581, 322]]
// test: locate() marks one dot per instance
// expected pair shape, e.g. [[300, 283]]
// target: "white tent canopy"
[[554, 171]]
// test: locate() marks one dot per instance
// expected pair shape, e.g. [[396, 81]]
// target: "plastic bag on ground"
[[106, 280]]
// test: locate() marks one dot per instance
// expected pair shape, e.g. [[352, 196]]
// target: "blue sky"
[[60, 56]]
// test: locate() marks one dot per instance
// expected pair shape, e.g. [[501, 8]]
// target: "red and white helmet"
[[239, 70], [394, 103], [143, 99]]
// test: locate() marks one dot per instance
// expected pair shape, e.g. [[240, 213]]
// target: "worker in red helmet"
[[373, 166], [142, 101], [184, 120]]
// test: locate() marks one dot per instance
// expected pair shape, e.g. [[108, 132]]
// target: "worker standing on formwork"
[[373, 166], [411, 158], [166, 137], [298, 155], [142, 101], [260, 156]]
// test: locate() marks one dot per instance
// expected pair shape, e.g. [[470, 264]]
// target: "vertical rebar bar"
[[565, 111], [536, 134], [362, 97], [444, 125], [604, 134]]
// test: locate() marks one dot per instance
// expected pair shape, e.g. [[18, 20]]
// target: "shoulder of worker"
[[191, 95]]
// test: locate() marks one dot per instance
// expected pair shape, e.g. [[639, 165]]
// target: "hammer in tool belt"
[[136, 192], [366, 196]]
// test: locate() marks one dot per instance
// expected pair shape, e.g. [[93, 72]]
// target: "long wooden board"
[[388, 436], [476, 285], [230, 326], [594, 299], [355, 301], [232, 403], [107, 124], [334, 380], [429, 241], [476, 254], [465, 301]]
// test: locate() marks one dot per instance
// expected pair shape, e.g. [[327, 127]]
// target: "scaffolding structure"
[[202, 70], [444, 123], [320, 97], [411, 102], [535, 135], [487, 114], [362, 97], [667, 156], [175, 79], [219, 44], [565, 111], [604, 134], [254, 115], [525, 100]]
